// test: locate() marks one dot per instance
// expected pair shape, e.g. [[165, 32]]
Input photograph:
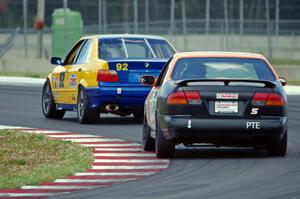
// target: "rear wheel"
[[278, 148], [148, 141], [48, 104], [85, 114], [164, 148]]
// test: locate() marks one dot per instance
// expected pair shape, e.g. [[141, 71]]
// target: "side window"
[[70, 58], [83, 53], [162, 74]]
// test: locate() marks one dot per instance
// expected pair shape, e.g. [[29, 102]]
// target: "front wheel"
[[85, 114], [278, 148], [48, 104], [164, 148]]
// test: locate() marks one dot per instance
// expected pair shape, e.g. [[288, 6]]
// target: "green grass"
[[293, 82], [279, 61], [24, 74], [29, 159]]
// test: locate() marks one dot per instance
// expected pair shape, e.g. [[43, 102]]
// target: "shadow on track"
[[220, 153]]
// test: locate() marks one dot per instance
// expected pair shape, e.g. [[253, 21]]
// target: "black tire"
[[148, 141], [164, 148], [85, 114], [48, 104], [278, 148], [138, 115]]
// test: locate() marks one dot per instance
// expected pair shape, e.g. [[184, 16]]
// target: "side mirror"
[[56, 61], [282, 81], [147, 80]]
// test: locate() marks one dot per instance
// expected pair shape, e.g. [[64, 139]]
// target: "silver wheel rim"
[[80, 105], [46, 99]]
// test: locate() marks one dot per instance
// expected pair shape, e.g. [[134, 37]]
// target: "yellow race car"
[[101, 74]]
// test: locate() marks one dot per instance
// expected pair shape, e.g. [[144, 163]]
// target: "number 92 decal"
[[121, 66]]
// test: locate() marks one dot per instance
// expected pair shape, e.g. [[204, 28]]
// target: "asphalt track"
[[194, 173]]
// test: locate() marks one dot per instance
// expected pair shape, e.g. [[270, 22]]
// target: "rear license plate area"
[[226, 107]]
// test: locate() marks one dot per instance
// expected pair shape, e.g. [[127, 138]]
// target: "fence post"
[[104, 17], [146, 16], [269, 29], [172, 16], [226, 23], [241, 17], [25, 27], [277, 17], [135, 12], [184, 26], [207, 16], [100, 16]]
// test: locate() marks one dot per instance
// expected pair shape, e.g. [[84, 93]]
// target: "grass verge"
[[24, 74], [29, 159]]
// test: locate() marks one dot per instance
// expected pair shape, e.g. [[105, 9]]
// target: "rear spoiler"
[[268, 84]]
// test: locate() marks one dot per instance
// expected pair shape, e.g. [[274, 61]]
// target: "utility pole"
[[207, 16], [226, 23], [25, 27], [39, 25], [146, 16], [269, 29], [241, 17], [100, 16], [135, 13], [184, 26]]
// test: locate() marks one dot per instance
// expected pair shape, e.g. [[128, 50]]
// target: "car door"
[[79, 66], [62, 76], [152, 97]]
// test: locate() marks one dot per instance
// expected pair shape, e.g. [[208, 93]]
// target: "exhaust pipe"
[[111, 107]]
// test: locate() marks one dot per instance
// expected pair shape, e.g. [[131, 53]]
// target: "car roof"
[[122, 36], [218, 54]]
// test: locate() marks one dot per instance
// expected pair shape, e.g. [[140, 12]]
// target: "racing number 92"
[[121, 66]]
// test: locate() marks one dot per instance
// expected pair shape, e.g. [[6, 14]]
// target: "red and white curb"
[[115, 161]]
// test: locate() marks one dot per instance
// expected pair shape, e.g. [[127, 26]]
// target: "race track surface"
[[194, 173]]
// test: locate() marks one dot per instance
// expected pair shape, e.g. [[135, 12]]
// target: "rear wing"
[[266, 83]]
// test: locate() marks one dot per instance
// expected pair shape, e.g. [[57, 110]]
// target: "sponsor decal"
[[252, 125], [227, 96], [147, 65], [61, 79], [189, 125], [73, 97], [72, 80], [254, 111]]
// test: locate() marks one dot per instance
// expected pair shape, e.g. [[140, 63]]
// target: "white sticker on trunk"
[[227, 96]]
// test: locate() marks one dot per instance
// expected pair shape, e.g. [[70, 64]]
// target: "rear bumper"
[[176, 127], [131, 96]]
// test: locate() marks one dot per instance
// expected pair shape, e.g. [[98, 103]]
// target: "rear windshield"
[[134, 48], [222, 68]]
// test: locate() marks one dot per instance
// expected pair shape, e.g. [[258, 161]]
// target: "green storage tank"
[[66, 30]]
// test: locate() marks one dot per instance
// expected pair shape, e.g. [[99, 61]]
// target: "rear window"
[[222, 68], [134, 48]]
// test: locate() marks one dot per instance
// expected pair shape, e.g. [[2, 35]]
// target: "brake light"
[[181, 97], [107, 76], [268, 99]]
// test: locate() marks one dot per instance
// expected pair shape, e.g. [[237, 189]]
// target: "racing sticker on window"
[[72, 80], [61, 79]]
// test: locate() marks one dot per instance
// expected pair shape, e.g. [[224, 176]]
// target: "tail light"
[[107, 76], [187, 97], [268, 99]]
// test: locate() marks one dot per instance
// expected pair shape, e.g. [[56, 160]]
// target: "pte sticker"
[[119, 90]]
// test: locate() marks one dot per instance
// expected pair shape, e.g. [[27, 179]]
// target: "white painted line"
[[74, 135], [132, 167], [21, 81], [131, 160], [125, 154], [114, 173], [43, 131], [57, 187], [109, 145], [118, 149], [10, 127], [94, 140], [96, 180], [30, 194]]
